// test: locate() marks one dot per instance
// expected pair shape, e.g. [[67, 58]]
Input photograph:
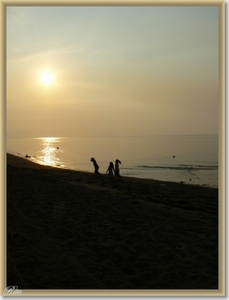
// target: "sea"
[[189, 159]]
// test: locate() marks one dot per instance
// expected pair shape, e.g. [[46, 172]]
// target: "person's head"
[[92, 159], [118, 161], [111, 164]]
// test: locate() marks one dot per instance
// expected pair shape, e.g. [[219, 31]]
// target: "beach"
[[68, 229], [192, 159]]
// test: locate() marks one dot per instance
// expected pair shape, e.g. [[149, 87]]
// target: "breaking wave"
[[180, 167]]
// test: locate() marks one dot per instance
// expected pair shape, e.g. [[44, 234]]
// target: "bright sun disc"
[[47, 77]]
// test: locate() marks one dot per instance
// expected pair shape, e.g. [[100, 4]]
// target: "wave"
[[180, 167]]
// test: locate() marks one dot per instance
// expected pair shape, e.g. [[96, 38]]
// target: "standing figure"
[[96, 166], [110, 170], [117, 162]]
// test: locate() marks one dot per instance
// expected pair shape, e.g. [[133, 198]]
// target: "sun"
[[47, 77]]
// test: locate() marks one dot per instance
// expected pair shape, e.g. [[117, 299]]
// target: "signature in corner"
[[12, 289]]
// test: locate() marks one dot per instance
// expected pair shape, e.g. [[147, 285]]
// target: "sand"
[[72, 230]]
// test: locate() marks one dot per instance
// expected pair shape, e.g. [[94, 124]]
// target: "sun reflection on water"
[[50, 151]]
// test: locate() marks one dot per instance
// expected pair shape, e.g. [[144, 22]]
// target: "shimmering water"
[[191, 159]]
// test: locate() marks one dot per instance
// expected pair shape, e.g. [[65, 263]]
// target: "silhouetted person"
[[96, 166], [116, 169], [110, 170]]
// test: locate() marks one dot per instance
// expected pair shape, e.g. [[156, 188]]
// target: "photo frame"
[[15, 290]]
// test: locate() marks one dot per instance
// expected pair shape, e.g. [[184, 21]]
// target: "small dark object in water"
[[27, 156], [57, 148], [174, 156]]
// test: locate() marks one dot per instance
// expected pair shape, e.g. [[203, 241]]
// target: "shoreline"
[[35, 161], [71, 230]]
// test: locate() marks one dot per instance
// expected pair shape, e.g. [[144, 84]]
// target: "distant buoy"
[[57, 147], [174, 156]]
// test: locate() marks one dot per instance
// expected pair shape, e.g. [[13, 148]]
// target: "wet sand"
[[72, 230]]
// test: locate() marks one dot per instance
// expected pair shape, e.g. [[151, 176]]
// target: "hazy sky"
[[117, 71]]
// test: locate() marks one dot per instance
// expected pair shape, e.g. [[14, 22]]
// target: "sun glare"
[[47, 77]]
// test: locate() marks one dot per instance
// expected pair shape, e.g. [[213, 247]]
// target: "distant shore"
[[71, 230]]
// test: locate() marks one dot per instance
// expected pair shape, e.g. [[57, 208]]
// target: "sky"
[[112, 71]]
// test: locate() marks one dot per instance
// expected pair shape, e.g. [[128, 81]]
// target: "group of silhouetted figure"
[[113, 170]]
